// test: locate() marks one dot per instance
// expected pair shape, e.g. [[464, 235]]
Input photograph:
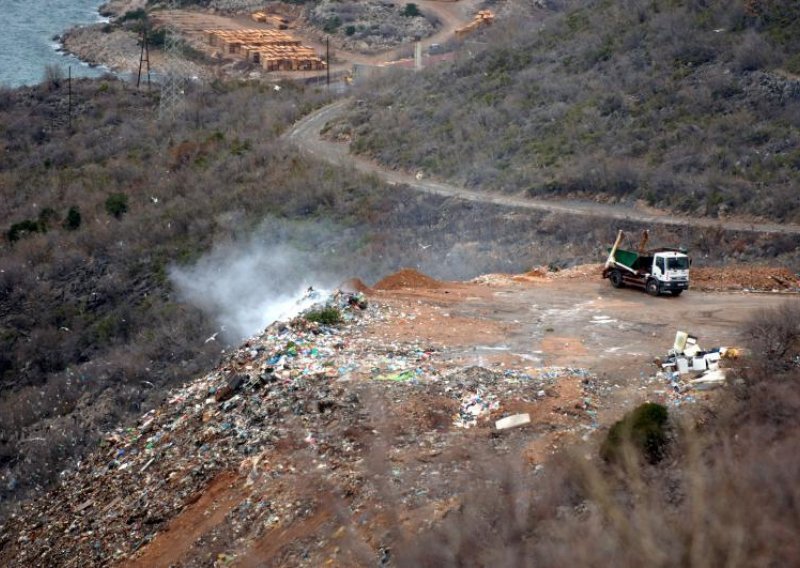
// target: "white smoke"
[[245, 288]]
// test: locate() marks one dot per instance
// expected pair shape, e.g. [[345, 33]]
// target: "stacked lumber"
[[288, 58], [231, 42], [274, 20], [273, 50], [482, 18]]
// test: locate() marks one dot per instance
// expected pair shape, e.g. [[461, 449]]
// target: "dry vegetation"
[[689, 105]]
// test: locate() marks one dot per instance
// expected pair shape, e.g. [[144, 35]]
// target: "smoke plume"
[[245, 287]]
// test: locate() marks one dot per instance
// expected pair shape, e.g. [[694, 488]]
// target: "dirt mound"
[[744, 278], [354, 285], [579, 271], [407, 278]]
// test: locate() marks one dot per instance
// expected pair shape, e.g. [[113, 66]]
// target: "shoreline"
[[99, 49]]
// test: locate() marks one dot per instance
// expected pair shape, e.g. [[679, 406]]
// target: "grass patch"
[[328, 315]]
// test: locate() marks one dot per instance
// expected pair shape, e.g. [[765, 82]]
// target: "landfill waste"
[[283, 429], [513, 421], [687, 367]]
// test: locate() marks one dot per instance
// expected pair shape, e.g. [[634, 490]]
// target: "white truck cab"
[[657, 270], [671, 270]]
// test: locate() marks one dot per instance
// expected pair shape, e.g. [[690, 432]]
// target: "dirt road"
[[581, 322], [305, 134]]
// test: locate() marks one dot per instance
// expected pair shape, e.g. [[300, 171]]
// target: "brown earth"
[[407, 278], [208, 510], [759, 278]]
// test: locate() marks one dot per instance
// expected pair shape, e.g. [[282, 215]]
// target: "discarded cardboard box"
[[513, 421], [699, 364], [709, 380]]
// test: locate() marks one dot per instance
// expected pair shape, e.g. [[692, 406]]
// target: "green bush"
[[73, 220], [117, 205], [643, 429], [328, 315], [157, 38], [792, 64], [411, 10], [139, 14], [332, 24], [350, 30], [19, 230]]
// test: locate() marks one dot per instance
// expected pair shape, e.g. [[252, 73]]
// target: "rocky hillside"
[[373, 24], [688, 106]]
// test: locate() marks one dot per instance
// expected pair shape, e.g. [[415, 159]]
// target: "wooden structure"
[[276, 21], [482, 18], [273, 50]]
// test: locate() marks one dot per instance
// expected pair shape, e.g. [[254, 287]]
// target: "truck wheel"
[[652, 287], [616, 279], [677, 292]]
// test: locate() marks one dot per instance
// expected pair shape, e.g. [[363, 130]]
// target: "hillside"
[[162, 403], [686, 106], [99, 216], [374, 440]]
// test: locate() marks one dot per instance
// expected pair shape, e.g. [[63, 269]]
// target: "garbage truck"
[[656, 271]]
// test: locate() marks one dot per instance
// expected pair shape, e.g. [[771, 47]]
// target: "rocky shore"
[[118, 49]]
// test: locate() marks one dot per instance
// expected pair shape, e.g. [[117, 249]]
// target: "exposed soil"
[[407, 278], [757, 278], [198, 518]]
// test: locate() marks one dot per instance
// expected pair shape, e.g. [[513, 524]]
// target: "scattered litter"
[[298, 385], [709, 380], [688, 367], [513, 421]]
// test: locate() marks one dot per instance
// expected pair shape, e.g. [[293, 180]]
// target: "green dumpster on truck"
[[657, 270]]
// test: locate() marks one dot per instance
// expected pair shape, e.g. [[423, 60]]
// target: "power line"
[[173, 80]]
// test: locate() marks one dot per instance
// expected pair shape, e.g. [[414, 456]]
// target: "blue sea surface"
[[26, 38]]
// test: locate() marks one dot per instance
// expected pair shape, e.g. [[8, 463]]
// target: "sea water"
[[26, 38]]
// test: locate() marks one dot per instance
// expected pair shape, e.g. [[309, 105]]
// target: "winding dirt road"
[[306, 135]]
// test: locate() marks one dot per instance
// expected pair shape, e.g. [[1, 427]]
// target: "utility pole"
[[328, 61], [144, 57], [69, 97]]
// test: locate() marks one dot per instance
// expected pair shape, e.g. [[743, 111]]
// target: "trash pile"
[[688, 367], [277, 432]]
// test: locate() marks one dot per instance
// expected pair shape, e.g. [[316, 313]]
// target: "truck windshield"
[[678, 263]]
